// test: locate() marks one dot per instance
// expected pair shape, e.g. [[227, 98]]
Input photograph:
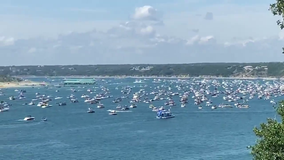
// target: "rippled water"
[[71, 133]]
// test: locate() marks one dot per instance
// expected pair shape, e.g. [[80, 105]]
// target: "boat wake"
[[18, 125], [118, 111]]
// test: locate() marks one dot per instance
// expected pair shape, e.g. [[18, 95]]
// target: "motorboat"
[[57, 98], [61, 104], [31, 103], [44, 119], [125, 108], [100, 106], [242, 106], [12, 98], [164, 114], [90, 110], [46, 106], [4, 109], [112, 112], [29, 118], [132, 106]]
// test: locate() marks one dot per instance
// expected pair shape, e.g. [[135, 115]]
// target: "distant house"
[[138, 68], [248, 68], [146, 68]]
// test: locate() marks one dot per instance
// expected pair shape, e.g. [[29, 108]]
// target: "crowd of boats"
[[164, 93]]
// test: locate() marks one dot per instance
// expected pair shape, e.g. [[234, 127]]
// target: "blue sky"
[[181, 31]]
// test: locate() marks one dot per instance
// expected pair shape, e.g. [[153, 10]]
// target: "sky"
[[53, 32]]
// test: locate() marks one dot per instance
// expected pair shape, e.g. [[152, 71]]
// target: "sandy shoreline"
[[21, 84]]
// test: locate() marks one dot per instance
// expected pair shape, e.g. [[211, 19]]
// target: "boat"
[[44, 119], [31, 103], [164, 114], [90, 110], [132, 106], [12, 98], [46, 106], [242, 106], [100, 106], [29, 118], [112, 112], [4, 109]]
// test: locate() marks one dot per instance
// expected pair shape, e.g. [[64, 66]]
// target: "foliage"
[[197, 69], [270, 145], [9, 79], [277, 9]]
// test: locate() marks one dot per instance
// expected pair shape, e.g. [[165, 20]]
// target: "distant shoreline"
[[22, 84], [159, 77]]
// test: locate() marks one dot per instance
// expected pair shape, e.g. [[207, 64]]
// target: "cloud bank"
[[138, 40]]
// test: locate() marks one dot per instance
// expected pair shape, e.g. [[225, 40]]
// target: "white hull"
[[168, 117], [29, 118], [47, 106], [4, 110]]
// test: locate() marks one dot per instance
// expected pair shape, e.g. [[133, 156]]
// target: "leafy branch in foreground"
[[270, 143], [277, 9]]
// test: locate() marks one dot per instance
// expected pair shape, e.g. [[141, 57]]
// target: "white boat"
[[213, 107], [31, 103], [40, 104], [100, 106], [225, 106], [132, 106], [12, 98], [46, 106], [151, 106], [29, 118], [138, 81], [242, 106], [90, 110], [4, 109], [155, 109], [112, 112]]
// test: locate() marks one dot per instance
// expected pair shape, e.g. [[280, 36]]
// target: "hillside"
[[9, 79], [275, 69]]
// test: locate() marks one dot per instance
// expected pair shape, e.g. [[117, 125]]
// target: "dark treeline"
[[5, 78], [199, 69]]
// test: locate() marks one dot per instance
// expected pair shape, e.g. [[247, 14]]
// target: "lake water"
[[72, 133]]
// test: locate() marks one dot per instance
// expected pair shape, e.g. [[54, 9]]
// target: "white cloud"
[[145, 13], [128, 46], [139, 40], [6, 41]]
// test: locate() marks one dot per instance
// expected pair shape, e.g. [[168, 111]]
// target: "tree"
[[277, 9], [270, 143]]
